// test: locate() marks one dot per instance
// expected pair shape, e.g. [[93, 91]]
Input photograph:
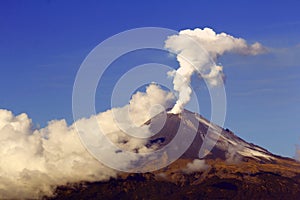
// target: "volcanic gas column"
[[197, 52]]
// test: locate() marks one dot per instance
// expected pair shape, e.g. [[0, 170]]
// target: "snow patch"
[[191, 125], [228, 140], [203, 121], [251, 153]]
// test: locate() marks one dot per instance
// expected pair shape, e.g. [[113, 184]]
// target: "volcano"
[[216, 164]]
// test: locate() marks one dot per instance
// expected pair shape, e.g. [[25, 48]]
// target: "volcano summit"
[[232, 169]]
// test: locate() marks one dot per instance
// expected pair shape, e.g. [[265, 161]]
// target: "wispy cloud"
[[254, 92], [276, 57]]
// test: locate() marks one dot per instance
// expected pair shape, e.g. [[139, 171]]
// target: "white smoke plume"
[[197, 52], [34, 161]]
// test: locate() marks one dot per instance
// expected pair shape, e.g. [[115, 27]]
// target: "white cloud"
[[196, 166], [34, 161]]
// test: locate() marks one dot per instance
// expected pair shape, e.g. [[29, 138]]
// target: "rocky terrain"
[[233, 169]]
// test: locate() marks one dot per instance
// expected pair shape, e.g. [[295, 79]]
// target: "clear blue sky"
[[42, 44]]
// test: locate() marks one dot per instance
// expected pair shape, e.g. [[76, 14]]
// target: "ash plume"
[[197, 52]]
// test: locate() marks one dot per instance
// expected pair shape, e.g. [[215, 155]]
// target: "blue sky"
[[42, 44]]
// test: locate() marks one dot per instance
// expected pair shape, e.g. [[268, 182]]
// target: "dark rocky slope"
[[236, 170]]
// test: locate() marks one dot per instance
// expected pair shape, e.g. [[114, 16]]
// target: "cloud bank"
[[34, 161]]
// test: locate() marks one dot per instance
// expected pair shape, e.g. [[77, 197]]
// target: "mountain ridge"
[[233, 169]]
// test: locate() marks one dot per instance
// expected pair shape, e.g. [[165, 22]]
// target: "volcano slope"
[[232, 169]]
